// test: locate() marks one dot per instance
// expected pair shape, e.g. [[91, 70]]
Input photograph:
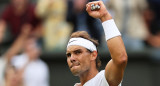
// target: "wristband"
[[110, 29]]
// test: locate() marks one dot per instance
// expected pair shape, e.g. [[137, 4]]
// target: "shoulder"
[[98, 80], [42, 65], [19, 60], [103, 79], [42, 62]]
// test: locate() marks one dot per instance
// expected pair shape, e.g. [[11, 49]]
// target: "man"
[[36, 72], [28, 65], [82, 53], [12, 51], [16, 15]]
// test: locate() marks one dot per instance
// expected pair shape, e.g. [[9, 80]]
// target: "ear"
[[94, 55]]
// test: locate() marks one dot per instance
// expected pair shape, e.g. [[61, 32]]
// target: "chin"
[[75, 72]]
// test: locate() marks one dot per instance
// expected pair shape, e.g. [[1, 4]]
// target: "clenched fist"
[[101, 13]]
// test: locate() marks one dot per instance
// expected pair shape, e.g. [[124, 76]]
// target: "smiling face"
[[78, 59]]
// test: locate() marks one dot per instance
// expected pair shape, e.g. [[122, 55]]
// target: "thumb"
[[88, 8]]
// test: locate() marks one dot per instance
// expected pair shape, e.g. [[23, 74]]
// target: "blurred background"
[[34, 35]]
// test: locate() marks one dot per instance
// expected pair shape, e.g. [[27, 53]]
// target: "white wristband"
[[110, 29]]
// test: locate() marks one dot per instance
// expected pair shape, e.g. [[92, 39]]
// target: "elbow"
[[123, 59]]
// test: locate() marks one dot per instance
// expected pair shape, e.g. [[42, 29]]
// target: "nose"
[[72, 59]]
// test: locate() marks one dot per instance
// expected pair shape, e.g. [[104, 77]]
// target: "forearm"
[[18, 43], [112, 34], [117, 50], [116, 66], [114, 41], [15, 47], [2, 29]]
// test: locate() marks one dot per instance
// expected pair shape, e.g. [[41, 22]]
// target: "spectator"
[[81, 20], [56, 30], [152, 19], [36, 72], [16, 15], [128, 15], [12, 77], [12, 51]]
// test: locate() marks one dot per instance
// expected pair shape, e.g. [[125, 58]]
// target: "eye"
[[77, 52], [68, 55]]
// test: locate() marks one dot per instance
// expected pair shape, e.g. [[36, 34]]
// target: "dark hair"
[[85, 35]]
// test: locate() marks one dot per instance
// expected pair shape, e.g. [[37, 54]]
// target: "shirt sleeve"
[[104, 81]]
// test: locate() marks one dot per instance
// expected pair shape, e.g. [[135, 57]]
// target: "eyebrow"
[[74, 51], [77, 50]]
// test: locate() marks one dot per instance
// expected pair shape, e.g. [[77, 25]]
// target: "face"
[[78, 59], [19, 2], [32, 49], [11, 76]]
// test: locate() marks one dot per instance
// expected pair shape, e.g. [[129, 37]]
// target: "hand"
[[101, 13], [26, 29]]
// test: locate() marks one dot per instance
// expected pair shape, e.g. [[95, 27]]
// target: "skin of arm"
[[18, 44], [2, 29], [114, 70]]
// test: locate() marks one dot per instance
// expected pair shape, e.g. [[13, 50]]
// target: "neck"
[[88, 75]]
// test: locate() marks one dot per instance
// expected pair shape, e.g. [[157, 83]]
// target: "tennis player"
[[82, 53]]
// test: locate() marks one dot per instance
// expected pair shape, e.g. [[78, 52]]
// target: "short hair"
[[85, 35]]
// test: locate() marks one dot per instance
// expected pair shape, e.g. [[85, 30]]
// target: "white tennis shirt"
[[98, 80]]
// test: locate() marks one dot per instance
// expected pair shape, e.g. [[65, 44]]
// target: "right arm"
[[2, 29], [115, 68], [18, 43]]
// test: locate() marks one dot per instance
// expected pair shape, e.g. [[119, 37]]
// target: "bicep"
[[115, 68], [114, 73]]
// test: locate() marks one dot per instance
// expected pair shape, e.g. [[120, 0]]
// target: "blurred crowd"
[[30, 27]]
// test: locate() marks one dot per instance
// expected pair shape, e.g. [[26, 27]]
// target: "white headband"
[[82, 42]]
